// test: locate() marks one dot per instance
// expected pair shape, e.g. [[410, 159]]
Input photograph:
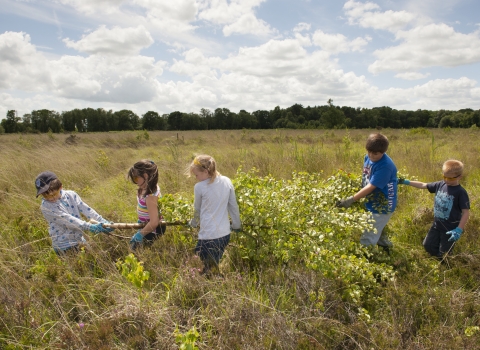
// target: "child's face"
[[141, 180], [200, 175], [451, 179], [374, 156], [52, 196]]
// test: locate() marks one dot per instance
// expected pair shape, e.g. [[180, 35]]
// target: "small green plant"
[[132, 270], [102, 159], [471, 330], [186, 341]]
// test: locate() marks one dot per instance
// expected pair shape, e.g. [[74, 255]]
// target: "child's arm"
[[464, 219], [416, 184], [364, 192], [347, 202], [152, 207], [457, 231], [234, 211]]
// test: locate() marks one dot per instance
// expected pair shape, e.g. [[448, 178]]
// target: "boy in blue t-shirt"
[[379, 186], [451, 209]]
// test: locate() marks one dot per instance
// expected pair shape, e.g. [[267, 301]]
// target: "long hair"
[[204, 162], [142, 167]]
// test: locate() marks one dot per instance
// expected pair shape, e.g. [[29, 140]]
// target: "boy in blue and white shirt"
[[379, 186]]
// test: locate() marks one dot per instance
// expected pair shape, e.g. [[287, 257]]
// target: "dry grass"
[[44, 299]]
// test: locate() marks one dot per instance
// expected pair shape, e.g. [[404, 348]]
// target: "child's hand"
[[97, 228], [136, 240], [236, 230], [345, 203], [456, 233]]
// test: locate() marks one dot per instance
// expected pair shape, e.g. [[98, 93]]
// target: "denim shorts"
[[211, 251]]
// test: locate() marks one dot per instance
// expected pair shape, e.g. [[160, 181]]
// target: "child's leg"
[[431, 243], [211, 251], [380, 238], [446, 246]]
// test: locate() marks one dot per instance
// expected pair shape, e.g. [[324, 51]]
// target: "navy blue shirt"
[[383, 175], [448, 205]]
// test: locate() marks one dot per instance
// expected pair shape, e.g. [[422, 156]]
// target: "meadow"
[[272, 295]]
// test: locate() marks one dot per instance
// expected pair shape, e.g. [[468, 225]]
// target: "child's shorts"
[[211, 251]]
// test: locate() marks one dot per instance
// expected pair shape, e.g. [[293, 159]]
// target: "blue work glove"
[[107, 229], [402, 181], [136, 240], [345, 203], [456, 233], [97, 228], [236, 230]]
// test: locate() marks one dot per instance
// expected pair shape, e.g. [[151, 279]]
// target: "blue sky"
[[164, 55]]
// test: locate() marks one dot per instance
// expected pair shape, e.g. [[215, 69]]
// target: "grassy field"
[[84, 302]]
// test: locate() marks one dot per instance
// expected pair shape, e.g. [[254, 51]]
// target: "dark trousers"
[[152, 236], [211, 251], [436, 243]]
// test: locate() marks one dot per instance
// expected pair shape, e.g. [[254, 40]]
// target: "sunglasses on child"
[[51, 194], [450, 178]]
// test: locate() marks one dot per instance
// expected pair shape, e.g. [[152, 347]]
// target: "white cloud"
[[115, 41], [93, 6], [248, 24], [366, 15], [94, 78], [302, 26], [224, 11], [21, 66], [177, 10], [237, 16], [335, 43], [411, 75], [428, 46]]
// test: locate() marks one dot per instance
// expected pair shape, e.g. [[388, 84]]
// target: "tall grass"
[[83, 302]]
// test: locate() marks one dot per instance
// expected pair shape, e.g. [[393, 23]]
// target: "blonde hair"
[[203, 162], [453, 167]]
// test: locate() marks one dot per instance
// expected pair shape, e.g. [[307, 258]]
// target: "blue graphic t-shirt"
[[448, 205], [383, 175]]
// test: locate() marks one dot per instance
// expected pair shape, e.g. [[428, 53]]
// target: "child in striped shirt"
[[144, 174]]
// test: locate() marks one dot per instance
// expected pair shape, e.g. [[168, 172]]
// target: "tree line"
[[295, 117]]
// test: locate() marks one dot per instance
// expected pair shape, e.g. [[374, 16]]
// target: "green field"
[[276, 293]]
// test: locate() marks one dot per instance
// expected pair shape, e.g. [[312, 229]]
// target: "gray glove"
[[345, 203]]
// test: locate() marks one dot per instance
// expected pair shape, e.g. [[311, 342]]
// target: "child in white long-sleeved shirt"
[[63, 209], [214, 201]]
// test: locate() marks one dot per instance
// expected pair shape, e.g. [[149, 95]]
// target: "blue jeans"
[[211, 251]]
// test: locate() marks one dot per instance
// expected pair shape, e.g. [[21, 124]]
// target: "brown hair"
[[453, 167], [203, 162], [54, 185], [377, 143], [142, 167]]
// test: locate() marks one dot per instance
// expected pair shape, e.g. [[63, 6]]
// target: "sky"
[[185, 55]]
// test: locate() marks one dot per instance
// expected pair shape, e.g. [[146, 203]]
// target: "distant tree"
[[263, 119], [127, 120], [44, 120], [152, 121], [247, 120], [10, 124], [175, 120], [333, 117]]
